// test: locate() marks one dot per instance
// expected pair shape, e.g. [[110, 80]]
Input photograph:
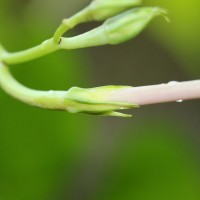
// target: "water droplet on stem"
[[179, 101], [172, 83]]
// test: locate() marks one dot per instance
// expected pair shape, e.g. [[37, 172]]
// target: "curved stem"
[[74, 100], [44, 48], [88, 39], [95, 37], [102, 100], [45, 99], [70, 23]]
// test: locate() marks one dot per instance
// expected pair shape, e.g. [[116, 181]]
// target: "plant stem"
[[74, 100], [70, 23], [88, 39], [153, 94], [44, 99], [44, 48], [102, 100], [114, 30]]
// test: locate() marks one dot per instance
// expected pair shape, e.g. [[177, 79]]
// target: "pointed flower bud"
[[115, 30], [130, 23], [103, 9], [97, 10]]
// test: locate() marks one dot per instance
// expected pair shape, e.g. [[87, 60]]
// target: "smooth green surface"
[[181, 36], [152, 164]]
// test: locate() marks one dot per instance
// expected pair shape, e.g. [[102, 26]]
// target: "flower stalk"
[[162, 93], [104, 100]]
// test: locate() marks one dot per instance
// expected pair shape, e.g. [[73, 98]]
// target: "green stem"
[[44, 99], [70, 23], [95, 37], [113, 31], [44, 48], [88, 39], [74, 100], [49, 45]]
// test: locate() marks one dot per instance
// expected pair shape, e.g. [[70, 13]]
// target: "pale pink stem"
[[153, 94]]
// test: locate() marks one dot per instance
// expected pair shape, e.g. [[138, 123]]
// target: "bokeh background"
[[47, 155]]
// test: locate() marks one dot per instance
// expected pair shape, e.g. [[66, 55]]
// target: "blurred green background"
[[46, 155]]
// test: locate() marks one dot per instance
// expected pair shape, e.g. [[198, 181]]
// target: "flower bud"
[[103, 9], [115, 30], [130, 23], [95, 101]]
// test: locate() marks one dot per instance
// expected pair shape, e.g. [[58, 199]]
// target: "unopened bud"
[[115, 30], [103, 9], [95, 101], [130, 23]]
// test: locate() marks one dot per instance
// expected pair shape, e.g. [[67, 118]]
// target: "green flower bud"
[[130, 23], [103, 9], [94, 101], [115, 30], [97, 10]]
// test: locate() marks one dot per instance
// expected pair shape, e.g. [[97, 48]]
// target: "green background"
[[48, 155]]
